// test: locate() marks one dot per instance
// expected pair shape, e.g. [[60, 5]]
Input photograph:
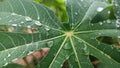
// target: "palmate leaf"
[[74, 45], [17, 44]]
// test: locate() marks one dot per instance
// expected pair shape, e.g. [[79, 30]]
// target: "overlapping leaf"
[[18, 44]]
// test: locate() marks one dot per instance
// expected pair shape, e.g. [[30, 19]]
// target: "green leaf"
[[117, 8], [74, 45], [35, 12], [82, 12], [13, 66], [15, 45]]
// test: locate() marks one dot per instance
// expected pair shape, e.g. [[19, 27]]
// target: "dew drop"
[[30, 52], [28, 18], [100, 23], [116, 5], [47, 28], [61, 65], [14, 24], [15, 48], [81, 0], [19, 25], [85, 47], [21, 22], [109, 12], [28, 26], [50, 43], [13, 14], [108, 21], [67, 46], [5, 64], [118, 23], [38, 18], [99, 33], [0, 18], [38, 23], [76, 13], [9, 55], [99, 9], [118, 36], [92, 24], [86, 51], [4, 59], [14, 59]]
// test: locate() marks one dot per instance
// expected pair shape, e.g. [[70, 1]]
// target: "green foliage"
[[57, 6], [73, 42]]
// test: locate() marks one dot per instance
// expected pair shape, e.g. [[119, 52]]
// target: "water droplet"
[[0, 18], [13, 14], [85, 47], [108, 21], [14, 59], [19, 25], [5, 64], [118, 36], [92, 24], [86, 51], [100, 23], [47, 28], [38, 18], [15, 48], [61, 65], [30, 52], [76, 13], [28, 26], [109, 12], [118, 23], [14, 24], [4, 59], [81, 0], [116, 4], [50, 43], [9, 55], [38, 23], [67, 46], [21, 22], [99, 33], [28, 18], [99, 9]]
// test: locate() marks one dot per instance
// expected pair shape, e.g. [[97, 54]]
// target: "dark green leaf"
[[73, 41]]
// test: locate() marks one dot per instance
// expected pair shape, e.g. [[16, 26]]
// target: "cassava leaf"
[[74, 45]]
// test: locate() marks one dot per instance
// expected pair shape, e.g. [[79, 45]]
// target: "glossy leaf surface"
[[74, 45]]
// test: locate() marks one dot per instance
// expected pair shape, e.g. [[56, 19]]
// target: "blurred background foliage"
[[58, 6]]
